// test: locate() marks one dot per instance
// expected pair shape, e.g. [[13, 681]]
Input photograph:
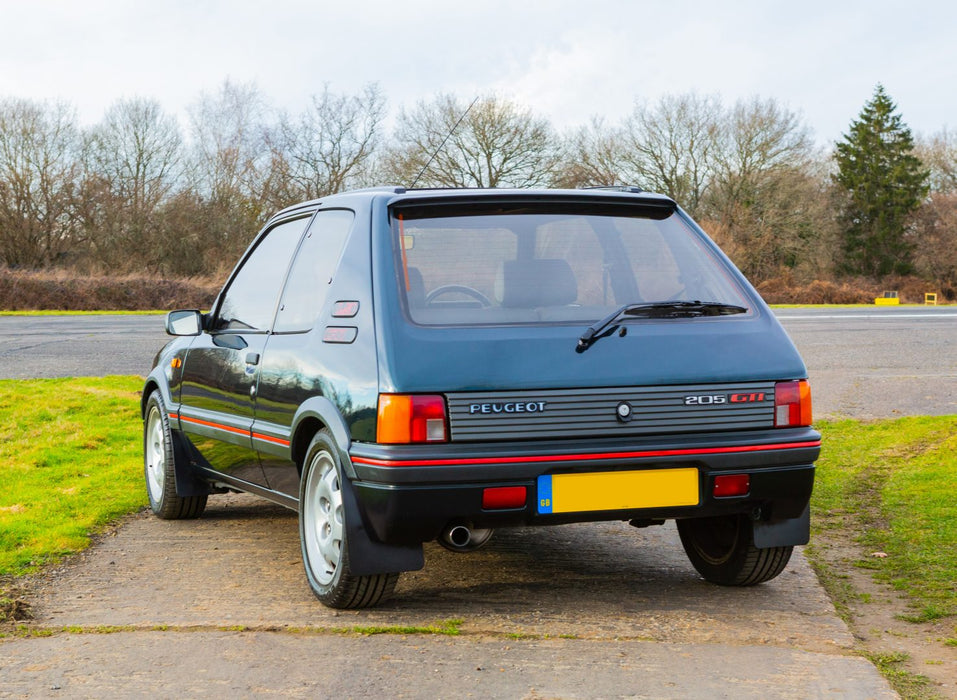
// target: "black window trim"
[[292, 262], [269, 226]]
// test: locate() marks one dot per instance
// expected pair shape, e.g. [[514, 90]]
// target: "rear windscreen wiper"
[[655, 309]]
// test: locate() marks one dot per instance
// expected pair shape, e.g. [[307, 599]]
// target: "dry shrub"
[[784, 290], [64, 291]]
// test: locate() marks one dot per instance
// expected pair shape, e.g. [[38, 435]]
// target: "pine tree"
[[884, 184]]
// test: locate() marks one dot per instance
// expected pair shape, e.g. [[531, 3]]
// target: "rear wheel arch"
[[305, 432], [314, 415]]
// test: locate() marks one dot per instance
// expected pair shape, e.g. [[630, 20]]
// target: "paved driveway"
[[219, 606]]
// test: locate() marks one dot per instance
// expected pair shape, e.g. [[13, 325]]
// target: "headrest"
[[533, 283], [416, 290]]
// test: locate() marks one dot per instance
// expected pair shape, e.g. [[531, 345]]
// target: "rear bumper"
[[409, 494]]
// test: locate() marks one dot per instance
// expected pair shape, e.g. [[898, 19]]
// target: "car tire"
[[722, 550], [322, 534], [159, 466]]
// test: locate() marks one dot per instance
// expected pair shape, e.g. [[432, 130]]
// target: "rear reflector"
[[502, 497], [731, 485], [792, 404], [407, 418]]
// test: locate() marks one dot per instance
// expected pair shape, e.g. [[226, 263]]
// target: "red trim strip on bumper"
[[588, 456]]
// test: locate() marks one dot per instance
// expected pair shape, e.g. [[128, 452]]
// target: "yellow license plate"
[[648, 488]]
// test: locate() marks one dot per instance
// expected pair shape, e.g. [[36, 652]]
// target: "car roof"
[[396, 194]]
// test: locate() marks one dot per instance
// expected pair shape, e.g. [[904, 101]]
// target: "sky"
[[567, 60]]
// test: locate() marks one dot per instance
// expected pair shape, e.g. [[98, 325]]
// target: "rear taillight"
[[792, 404], [407, 418]]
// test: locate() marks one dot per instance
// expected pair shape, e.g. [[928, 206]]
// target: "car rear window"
[[542, 264]]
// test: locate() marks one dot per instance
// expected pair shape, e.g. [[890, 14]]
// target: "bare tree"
[[935, 232], [939, 155], [133, 161], [786, 224], [495, 143], [669, 147], [757, 139], [230, 178], [38, 148], [329, 147], [768, 190], [591, 157], [228, 146]]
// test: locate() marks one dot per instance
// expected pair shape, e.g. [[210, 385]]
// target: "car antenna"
[[442, 145]]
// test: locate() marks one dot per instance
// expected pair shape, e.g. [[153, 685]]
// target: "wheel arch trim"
[[157, 381], [322, 410]]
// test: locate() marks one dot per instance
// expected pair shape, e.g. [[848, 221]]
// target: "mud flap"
[[368, 557], [186, 482], [783, 533]]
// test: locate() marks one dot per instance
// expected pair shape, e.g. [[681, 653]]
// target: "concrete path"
[[218, 606]]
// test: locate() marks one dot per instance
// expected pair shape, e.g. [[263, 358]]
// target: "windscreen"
[[538, 265]]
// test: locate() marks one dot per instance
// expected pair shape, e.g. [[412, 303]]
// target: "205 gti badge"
[[719, 399]]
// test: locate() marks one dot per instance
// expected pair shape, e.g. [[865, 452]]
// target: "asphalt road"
[[79, 346], [878, 363], [219, 606]]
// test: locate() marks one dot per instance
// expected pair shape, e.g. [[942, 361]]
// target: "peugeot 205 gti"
[[401, 366]]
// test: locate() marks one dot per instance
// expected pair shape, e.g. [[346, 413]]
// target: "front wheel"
[[159, 467], [722, 550], [322, 533]]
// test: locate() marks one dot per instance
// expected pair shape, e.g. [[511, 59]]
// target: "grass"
[[907, 684], [156, 312], [893, 483], [69, 464]]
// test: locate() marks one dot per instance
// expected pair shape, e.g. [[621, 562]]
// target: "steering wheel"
[[460, 289]]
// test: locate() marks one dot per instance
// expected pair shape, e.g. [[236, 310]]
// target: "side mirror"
[[184, 322]]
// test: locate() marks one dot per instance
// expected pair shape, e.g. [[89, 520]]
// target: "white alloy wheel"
[[160, 467], [324, 523], [323, 499], [155, 455]]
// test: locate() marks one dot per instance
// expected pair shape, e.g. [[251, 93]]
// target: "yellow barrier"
[[888, 299], [930, 299]]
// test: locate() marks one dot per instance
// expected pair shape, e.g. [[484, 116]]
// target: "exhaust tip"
[[461, 537]]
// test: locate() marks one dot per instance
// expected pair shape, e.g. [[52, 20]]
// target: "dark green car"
[[403, 365]]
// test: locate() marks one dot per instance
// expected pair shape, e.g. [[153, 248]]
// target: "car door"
[[293, 367], [220, 371]]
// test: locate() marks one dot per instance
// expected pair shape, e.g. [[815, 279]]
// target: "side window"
[[251, 297], [313, 270]]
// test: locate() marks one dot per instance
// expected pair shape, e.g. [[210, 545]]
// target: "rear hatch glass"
[[550, 264]]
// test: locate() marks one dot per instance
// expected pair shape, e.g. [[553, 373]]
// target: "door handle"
[[252, 358]]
